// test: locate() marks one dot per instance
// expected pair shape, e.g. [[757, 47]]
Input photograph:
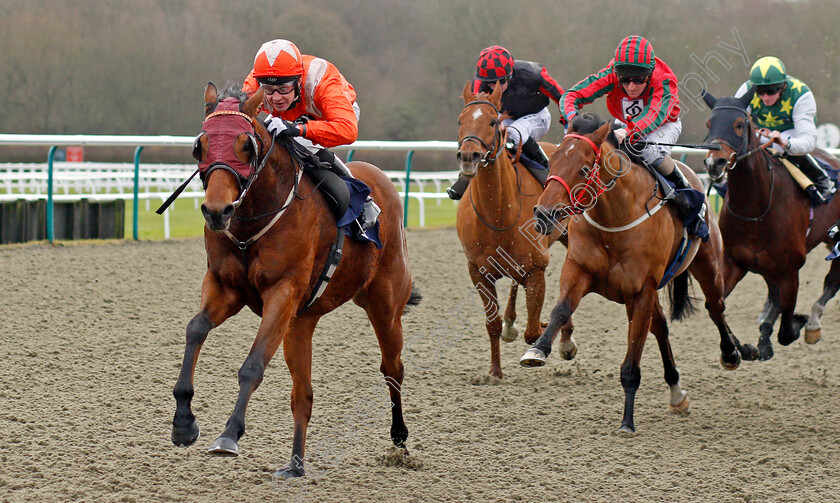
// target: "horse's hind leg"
[[297, 350], [678, 400], [385, 314], [509, 330], [813, 330], [217, 305]]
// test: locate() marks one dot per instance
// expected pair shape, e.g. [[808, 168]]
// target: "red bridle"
[[594, 177]]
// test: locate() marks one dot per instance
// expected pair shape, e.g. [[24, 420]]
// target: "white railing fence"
[[68, 181]]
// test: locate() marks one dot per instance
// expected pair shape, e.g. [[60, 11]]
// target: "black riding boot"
[[532, 149], [823, 187], [371, 210], [458, 188]]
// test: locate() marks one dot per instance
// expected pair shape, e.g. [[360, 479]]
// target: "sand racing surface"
[[92, 337]]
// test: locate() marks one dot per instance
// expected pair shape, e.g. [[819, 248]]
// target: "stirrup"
[[370, 212]]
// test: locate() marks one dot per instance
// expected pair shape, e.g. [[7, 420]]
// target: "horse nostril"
[[458, 156], [476, 156], [204, 210], [228, 212], [720, 163]]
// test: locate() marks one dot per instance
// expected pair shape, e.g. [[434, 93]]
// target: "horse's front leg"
[[706, 269], [791, 324], [831, 284], [486, 287], [217, 304], [639, 314], [278, 309], [678, 401], [574, 284]]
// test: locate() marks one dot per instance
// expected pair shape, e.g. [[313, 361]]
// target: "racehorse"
[[267, 242], [767, 222], [496, 226], [622, 248]]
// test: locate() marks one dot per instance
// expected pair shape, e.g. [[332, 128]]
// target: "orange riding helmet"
[[278, 61]]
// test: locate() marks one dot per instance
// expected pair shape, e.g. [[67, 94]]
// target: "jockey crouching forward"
[[526, 90], [308, 100], [642, 95], [785, 110]]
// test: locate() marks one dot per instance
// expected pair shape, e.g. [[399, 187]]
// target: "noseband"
[[493, 149], [594, 177]]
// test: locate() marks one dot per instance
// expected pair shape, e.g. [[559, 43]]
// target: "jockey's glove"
[[281, 127]]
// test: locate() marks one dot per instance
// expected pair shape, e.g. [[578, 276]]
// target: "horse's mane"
[[233, 90], [588, 122]]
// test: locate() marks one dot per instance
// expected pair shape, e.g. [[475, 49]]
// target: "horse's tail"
[[682, 305], [414, 298]]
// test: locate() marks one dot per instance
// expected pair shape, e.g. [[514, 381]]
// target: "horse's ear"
[[210, 93], [709, 99], [601, 133], [252, 105], [468, 95], [747, 98], [496, 96]]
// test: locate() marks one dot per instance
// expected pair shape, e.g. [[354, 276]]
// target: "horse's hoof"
[[568, 351], [732, 362], [765, 352], [288, 473], [532, 358], [749, 352], [626, 431], [509, 331], [682, 407], [788, 339], [184, 437], [224, 446], [813, 336]]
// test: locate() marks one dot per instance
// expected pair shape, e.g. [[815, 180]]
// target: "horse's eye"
[[493, 123]]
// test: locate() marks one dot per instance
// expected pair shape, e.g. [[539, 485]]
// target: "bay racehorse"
[[268, 236], [496, 226], [767, 222], [621, 247]]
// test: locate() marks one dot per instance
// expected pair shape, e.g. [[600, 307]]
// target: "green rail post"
[[50, 158], [350, 154], [408, 157], [136, 192]]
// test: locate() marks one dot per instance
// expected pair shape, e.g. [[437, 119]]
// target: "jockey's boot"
[[834, 230], [680, 199], [334, 164], [823, 188], [533, 151], [458, 188]]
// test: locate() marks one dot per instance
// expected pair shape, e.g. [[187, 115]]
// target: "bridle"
[[593, 178], [495, 147], [256, 167], [737, 156]]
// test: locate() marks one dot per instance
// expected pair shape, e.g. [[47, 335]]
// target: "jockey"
[[642, 95], [785, 110], [526, 90], [308, 99]]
